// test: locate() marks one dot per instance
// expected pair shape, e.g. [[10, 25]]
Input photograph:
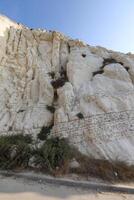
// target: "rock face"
[[86, 92]]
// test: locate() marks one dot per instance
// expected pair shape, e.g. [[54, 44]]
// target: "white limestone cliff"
[[41, 69]]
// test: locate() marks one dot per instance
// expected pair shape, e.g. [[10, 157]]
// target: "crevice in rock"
[[69, 49], [58, 83], [10, 128], [8, 36], [33, 75], [108, 61], [19, 40], [51, 74], [55, 96], [101, 71], [38, 52], [126, 68], [13, 44], [112, 60], [80, 115], [63, 74], [83, 55], [34, 36], [50, 108], [20, 111]]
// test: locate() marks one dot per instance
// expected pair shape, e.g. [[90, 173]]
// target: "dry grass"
[[114, 171]]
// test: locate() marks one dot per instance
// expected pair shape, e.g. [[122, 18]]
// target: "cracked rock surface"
[[42, 69]]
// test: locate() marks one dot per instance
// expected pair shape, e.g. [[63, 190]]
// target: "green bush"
[[54, 153], [44, 132], [14, 139], [15, 151]]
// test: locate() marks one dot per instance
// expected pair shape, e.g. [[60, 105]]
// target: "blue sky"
[[108, 23]]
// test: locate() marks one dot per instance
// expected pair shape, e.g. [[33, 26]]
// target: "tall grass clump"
[[15, 151], [54, 154]]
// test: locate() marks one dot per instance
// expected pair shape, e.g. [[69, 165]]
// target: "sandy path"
[[20, 189]]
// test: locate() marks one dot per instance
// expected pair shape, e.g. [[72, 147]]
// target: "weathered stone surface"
[[74, 164], [47, 78]]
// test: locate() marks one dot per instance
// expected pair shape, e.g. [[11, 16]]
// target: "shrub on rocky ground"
[[15, 151], [54, 154], [44, 132]]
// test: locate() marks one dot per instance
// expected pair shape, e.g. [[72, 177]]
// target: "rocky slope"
[[48, 79]]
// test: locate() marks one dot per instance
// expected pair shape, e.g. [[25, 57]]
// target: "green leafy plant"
[[15, 151], [53, 154], [44, 132]]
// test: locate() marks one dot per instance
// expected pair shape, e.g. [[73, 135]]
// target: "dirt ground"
[[21, 189]]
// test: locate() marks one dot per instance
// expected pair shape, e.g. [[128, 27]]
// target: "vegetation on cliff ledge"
[[54, 155]]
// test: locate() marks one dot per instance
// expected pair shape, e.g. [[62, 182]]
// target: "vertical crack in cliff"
[[7, 40], [19, 40], [58, 78]]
